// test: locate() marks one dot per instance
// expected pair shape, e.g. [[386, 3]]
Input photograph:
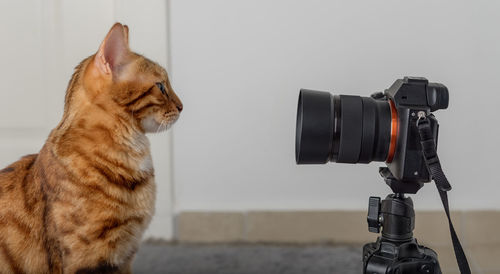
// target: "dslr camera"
[[382, 127]]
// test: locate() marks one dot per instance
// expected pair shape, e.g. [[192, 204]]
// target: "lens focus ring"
[[351, 128]]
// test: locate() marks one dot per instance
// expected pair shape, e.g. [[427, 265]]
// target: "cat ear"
[[113, 50], [126, 32]]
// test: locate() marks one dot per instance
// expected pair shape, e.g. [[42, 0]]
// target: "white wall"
[[238, 67]]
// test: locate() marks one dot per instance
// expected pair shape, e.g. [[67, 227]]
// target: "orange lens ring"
[[394, 131]]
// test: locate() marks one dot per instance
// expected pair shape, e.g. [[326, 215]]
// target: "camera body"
[[410, 96]]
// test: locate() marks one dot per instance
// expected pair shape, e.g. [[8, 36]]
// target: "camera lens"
[[343, 129]]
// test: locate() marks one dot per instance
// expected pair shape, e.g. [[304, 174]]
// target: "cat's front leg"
[[127, 268], [103, 268]]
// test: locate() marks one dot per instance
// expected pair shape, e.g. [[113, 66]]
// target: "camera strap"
[[442, 184]]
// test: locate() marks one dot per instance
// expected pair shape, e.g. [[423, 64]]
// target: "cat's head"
[[116, 77]]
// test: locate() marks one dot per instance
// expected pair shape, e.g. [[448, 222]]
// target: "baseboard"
[[319, 227]]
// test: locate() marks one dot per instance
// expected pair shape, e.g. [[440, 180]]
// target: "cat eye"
[[162, 88]]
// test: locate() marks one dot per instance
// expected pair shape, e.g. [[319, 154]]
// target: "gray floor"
[[247, 259]]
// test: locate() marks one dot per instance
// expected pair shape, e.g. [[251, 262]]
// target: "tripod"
[[396, 251]]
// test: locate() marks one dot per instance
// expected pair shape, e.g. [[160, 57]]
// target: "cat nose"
[[179, 108]]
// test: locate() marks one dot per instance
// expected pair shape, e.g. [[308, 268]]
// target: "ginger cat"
[[83, 202]]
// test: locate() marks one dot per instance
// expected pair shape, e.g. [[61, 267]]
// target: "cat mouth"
[[152, 125], [171, 118]]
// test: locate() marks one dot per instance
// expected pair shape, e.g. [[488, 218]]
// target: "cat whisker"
[[159, 127]]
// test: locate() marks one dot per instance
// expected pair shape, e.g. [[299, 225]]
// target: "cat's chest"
[[143, 199], [146, 164], [144, 196]]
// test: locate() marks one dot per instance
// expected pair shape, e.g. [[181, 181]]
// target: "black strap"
[[442, 184]]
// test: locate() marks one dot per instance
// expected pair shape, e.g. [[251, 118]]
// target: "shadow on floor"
[[247, 259]]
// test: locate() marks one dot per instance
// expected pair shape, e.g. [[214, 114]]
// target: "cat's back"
[[15, 180], [16, 171], [21, 214]]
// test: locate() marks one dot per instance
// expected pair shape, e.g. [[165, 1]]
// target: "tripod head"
[[395, 214], [399, 186], [396, 251]]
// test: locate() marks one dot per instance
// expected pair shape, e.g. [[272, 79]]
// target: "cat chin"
[[149, 124]]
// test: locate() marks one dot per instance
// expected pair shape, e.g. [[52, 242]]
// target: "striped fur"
[[83, 202]]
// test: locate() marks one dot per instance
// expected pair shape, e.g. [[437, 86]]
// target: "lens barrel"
[[315, 127], [343, 129]]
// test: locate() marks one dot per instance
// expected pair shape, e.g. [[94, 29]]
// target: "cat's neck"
[[98, 128]]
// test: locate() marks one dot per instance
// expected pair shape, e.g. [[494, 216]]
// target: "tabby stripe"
[[7, 170], [108, 174], [10, 218], [63, 202], [54, 256], [125, 122], [88, 137], [81, 123], [109, 137], [102, 107], [101, 268], [66, 251], [111, 224], [65, 230], [106, 130], [44, 222], [75, 219], [93, 188], [117, 180], [27, 205], [84, 239], [14, 265], [113, 162], [145, 107], [142, 95], [104, 171], [131, 184], [29, 200]]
